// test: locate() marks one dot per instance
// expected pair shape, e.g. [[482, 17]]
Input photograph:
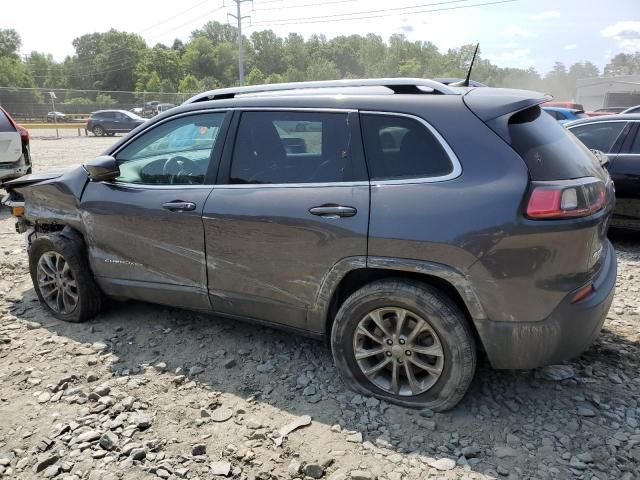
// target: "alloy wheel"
[[398, 351], [56, 283]]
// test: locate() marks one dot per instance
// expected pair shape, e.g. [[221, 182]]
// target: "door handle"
[[179, 206], [333, 211]]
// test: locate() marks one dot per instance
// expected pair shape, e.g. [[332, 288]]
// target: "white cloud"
[[627, 34], [546, 15], [518, 58], [571, 46], [515, 32]]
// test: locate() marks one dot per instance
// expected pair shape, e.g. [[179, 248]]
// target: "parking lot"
[[190, 392]]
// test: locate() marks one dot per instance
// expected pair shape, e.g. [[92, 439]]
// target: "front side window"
[[292, 147], [174, 152], [599, 135], [400, 147]]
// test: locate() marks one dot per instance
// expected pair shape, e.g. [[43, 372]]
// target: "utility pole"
[[238, 16]]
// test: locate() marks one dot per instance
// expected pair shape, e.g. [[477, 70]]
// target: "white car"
[[635, 109], [14, 148]]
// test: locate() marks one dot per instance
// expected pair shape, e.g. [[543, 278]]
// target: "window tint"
[[175, 152], [552, 113], [635, 146], [401, 147], [292, 147], [5, 124], [548, 149], [599, 135]]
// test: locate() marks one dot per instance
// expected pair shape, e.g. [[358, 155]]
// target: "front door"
[[144, 230], [291, 201]]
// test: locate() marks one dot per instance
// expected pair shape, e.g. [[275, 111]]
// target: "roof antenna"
[[465, 82]]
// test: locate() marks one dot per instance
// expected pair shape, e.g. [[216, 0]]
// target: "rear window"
[[400, 147], [548, 149], [5, 124]]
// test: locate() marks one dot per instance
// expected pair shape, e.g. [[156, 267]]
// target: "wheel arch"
[[353, 273]]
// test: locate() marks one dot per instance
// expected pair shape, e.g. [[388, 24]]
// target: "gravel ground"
[[145, 392]]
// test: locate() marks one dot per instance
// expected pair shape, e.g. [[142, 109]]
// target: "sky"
[[512, 33]]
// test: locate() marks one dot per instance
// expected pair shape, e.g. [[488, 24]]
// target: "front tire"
[[404, 342], [98, 131], [62, 278]]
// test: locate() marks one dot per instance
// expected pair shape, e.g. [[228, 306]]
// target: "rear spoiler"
[[495, 106]]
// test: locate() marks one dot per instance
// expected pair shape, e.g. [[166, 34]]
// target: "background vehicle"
[[409, 223], [635, 109], [15, 157], [618, 136], [150, 108], [609, 110], [163, 107], [110, 122], [562, 104], [564, 115], [57, 116]]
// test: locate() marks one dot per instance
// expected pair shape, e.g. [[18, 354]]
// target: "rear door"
[[10, 142], [292, 199]]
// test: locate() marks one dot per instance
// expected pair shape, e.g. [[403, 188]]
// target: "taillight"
[[569, 199], [24, 133]]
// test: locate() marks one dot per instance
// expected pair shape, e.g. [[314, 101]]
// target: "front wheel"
[[62, 278], [98, 131], [404, 342]]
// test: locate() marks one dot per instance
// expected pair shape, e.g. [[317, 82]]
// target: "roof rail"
[[398, 85]]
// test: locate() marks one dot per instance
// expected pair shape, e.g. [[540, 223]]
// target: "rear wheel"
[[405, 342], [62, 278], [98, 131]]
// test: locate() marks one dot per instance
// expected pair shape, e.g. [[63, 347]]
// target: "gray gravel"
[[145, 392]]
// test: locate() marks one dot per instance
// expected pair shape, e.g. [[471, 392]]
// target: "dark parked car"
[[635, 109], [411, 224], [15, 157], [110, 122], [619, 137]]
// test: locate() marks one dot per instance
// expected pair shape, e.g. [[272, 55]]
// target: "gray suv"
[[410, 223]]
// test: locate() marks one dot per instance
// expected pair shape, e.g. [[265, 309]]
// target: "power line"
[[289, 7], [376, 13]]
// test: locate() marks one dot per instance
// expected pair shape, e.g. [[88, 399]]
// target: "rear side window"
[[401, 147], [599, 135], [5, 124], [548, 149], [292, 147]]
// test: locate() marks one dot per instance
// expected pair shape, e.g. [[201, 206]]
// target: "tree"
[[558, 83], [255, 77], [189, 84], [268, 52], [623, 64], [10, 43]]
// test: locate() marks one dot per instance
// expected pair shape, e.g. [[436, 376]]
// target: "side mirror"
[[102, 168]]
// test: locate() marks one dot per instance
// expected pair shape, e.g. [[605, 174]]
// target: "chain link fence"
[[35, 104]]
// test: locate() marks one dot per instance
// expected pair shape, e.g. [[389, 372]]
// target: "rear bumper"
[[566, 333], [13, 170]]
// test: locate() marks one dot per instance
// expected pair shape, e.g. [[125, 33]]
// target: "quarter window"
[[401, 147], [175, 152], [292, 147], [599, 135]]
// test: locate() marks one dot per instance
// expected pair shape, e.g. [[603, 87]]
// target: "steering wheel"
[[180, 167]]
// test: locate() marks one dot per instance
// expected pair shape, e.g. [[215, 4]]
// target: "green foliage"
[[189, 84], [105, 100], [80, 101], [10, 43], [116, 61]]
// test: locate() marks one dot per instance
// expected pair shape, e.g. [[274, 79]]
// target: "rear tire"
[[429, 360], [68, 292], [98, 131]]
